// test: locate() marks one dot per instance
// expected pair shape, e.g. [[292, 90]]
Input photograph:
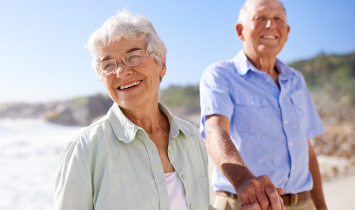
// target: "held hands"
[[259, 193]]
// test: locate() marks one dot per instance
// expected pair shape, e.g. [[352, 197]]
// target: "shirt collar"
[[285, 71], [125, 130], [243, 65]]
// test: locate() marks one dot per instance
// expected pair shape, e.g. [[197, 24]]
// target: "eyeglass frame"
[[147, 53]]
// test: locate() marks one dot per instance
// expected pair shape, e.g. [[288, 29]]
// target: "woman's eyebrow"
[[133, 49]]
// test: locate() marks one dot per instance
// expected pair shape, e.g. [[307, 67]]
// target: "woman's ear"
[[163, 67]]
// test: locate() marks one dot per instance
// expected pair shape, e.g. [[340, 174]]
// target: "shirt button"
[[293, 168], [267, 80], [252, 103], [285, 121], [281, 100], [184, 176], [290, 143], [192, 206], [170, 151]]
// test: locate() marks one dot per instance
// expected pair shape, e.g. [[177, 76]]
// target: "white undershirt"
[[176, 191]]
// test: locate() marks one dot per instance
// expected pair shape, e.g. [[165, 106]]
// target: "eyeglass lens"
[[130, 59]]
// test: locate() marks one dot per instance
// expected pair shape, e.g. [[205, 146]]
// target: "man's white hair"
[[244, 11]]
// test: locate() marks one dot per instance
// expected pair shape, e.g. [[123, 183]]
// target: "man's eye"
[[261, 18], [277, 19]]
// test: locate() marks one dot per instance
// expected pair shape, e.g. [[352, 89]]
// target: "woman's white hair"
[[129, 26]]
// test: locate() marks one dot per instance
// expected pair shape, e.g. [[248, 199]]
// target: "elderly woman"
[[138, 156]]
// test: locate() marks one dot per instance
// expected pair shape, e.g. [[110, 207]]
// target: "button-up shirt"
[[113, 164], [269, 126]]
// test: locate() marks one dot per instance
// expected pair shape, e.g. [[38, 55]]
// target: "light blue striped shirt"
[[113, 164], [269, 127]]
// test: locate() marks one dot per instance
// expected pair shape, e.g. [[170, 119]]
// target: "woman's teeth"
[[130, 85]]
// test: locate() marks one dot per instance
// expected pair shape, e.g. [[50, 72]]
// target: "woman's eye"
[[132, 57], [109, 66]]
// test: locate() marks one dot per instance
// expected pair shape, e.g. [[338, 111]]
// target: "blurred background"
[[48, 89]]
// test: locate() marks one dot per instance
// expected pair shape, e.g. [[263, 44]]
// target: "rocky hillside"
[[78, 111]]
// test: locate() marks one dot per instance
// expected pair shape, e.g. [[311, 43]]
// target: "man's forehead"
[[264, 5]]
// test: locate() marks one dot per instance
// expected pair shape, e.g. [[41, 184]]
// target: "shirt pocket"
[[252, 114], [298, 102]]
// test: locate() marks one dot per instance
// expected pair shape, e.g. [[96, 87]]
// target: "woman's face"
[[136, 86]]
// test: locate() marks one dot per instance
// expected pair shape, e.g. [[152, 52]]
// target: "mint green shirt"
[[112, 164]]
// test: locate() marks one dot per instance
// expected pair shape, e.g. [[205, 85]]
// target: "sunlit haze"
[[43, 58]]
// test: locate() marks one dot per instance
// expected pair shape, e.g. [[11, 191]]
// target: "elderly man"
[[257, 118]]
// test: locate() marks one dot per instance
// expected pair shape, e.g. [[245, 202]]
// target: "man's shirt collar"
[[243, 65]]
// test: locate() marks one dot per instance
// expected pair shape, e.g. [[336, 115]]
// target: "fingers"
[[280, 191], [274, 197], [261, 191], [253, 206], [282, 204], [263, 200]]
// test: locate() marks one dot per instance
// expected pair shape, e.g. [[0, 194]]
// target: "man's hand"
[[255, 206], [259, 190]]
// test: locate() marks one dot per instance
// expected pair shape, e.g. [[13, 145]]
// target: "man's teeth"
[[269, 37], [130, 85]]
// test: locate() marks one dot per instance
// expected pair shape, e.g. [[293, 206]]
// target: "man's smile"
[[269, 37]]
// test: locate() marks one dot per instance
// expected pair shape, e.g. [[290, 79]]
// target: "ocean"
[[29, 153]]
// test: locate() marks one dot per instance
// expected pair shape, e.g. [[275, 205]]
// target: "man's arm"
[[317, 191], [250, 189]]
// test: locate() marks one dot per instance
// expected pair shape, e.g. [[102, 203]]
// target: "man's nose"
[[270, 23], [123, 71]]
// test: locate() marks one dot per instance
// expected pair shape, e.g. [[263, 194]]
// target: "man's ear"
[[239, 30]]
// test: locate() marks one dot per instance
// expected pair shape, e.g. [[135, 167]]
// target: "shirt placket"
[[285, 103], [158, 172]]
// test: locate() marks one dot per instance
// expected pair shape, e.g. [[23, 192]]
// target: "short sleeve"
[[215, 95], [314, 126]]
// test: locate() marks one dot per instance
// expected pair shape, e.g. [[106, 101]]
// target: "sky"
[[42, 42]]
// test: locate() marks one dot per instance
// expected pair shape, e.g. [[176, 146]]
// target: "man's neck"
[[267, 65]]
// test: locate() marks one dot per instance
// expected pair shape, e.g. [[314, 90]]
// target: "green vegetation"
[[181, 96], [330, 76], [330, 79]]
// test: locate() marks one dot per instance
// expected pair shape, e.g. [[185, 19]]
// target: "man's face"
[[264, 30]]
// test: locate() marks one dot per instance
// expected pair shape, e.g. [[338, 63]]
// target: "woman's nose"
[[123, 71]]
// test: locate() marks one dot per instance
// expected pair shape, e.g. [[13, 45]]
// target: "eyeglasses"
[[130, 59]]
